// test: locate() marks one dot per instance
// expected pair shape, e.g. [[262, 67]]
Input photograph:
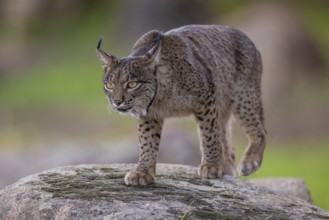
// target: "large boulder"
[[99, 192]]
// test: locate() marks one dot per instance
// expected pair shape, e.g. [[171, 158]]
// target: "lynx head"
[[130, 83]]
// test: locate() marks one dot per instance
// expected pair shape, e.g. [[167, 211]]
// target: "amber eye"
[[132, 85], [109, 85]]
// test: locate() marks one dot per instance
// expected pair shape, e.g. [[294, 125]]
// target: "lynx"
[[209, 71]]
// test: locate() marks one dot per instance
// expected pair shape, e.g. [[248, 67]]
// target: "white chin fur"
[[137, 114], [144, 112]]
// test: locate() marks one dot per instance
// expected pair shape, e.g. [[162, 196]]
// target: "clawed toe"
[[246, 168], [210, 171], [136, 178]]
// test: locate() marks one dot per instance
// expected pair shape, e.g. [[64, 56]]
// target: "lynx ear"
[[106, 59], [151, 53]]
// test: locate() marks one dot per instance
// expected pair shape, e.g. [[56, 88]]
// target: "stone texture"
[[289, 186], [98, 192]]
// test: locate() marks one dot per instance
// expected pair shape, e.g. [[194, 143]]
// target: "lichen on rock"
[[99, 192]]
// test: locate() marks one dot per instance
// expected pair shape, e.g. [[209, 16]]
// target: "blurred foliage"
[[316, 17], [69, 62]]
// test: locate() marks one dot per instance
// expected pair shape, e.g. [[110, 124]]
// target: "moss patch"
[[86, 184]]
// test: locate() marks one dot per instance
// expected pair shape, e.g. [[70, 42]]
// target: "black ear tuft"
[[99, 42], [107, 60]]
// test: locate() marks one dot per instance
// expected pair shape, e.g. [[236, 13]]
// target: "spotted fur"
[[209, 71]]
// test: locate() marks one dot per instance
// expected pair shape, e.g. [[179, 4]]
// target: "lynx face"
[[130, 83], [129, 87]]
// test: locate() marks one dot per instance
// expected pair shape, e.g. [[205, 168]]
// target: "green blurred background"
[[53, 111]]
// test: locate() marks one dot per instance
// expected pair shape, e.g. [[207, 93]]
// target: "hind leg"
[[230, 166], [225, 140], [218, 156], [212, 151], [248, 110]]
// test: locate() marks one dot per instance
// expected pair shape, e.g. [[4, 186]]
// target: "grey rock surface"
[[289, 186], [99, 192]]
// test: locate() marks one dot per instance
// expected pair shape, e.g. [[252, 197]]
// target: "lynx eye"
[[109, 85], [132, 85]]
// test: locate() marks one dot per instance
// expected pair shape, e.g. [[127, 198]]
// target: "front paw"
[[136, 178], [210, 171]]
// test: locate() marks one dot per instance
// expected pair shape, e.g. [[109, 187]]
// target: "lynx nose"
[[117, 103]]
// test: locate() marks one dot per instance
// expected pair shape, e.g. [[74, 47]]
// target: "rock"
[[99, 192], [177, 146], [289, 186]]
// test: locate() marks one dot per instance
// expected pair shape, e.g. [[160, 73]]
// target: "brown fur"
[[209, 71]]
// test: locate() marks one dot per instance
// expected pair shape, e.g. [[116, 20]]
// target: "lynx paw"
[[247, 167], [210, 171], [230, 170], [136, 178]]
